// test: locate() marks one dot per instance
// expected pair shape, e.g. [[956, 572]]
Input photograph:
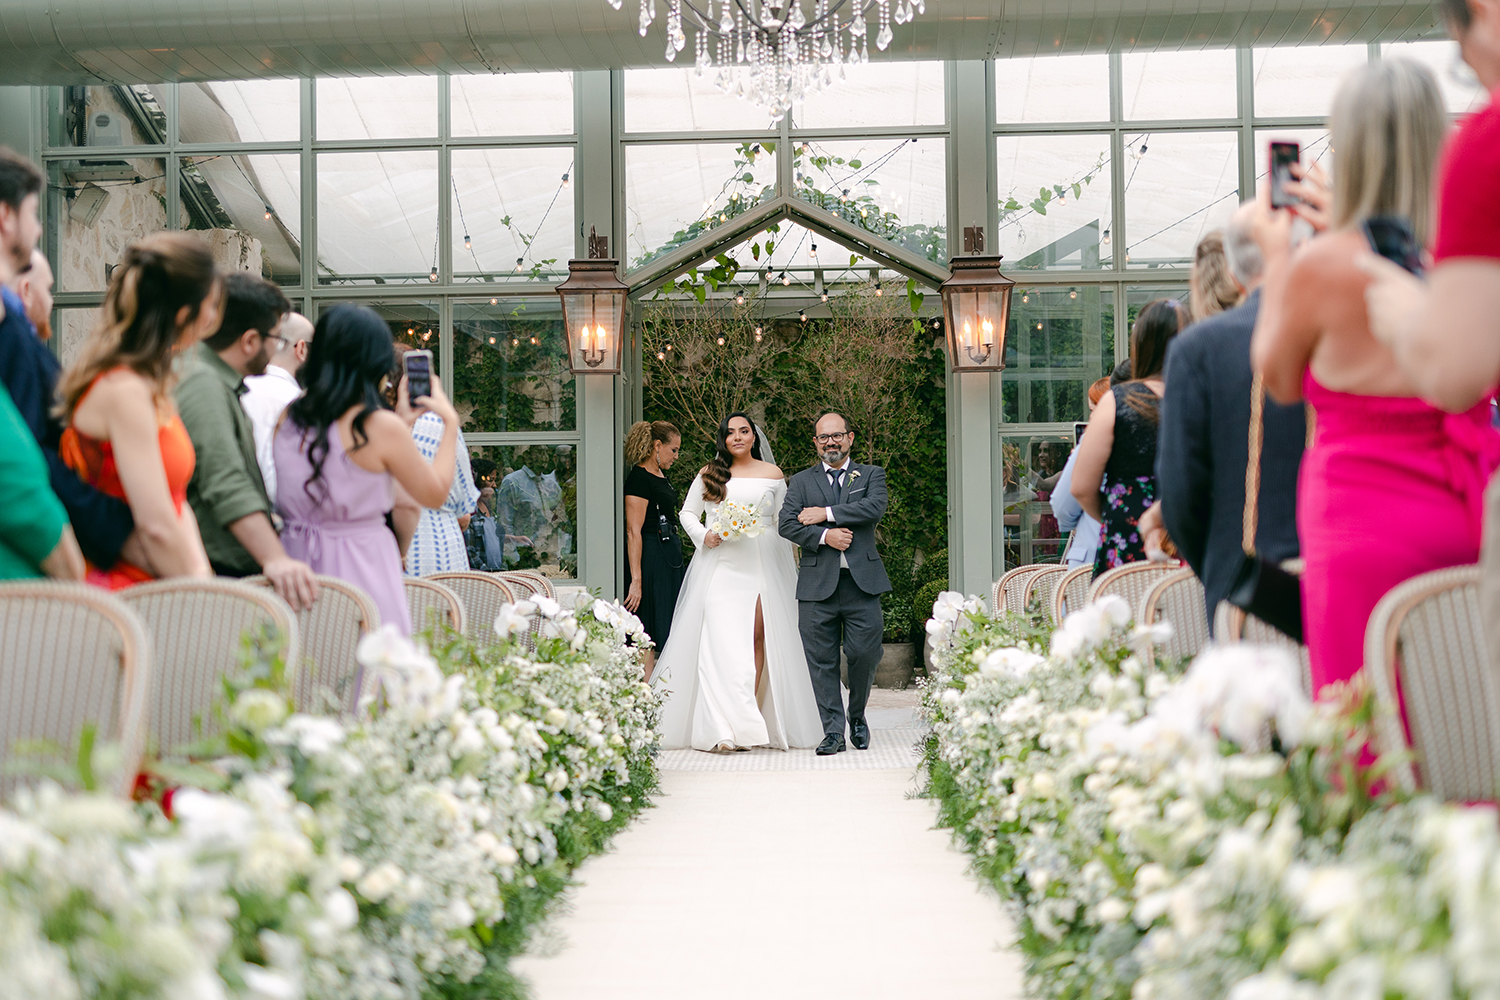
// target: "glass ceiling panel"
[[512, 212], [1181, 187], [1461, 89], [386, 107], [1052, 89], [877, 95], [679, 100], [1055, 201], [512, 104], [1301, 81], [260, 195], [1159, 86], [895, 188], [377, 215], [241, 111], [675, 193]]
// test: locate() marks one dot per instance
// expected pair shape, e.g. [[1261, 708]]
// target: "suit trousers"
[[851, 618]]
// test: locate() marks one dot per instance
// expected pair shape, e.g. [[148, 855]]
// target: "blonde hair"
[[641, 440], [1211, 287], [137, 326], [1387, 127]]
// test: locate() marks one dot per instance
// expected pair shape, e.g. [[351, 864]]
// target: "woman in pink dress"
[[340, 453], [1390, 487]]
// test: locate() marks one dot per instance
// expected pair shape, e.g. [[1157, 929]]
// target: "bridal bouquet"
[[737, 520]]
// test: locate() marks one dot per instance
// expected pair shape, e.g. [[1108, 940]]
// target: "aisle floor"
[[775, 876]]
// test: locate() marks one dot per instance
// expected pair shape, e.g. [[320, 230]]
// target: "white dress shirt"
[[828, 471], [266, 397]]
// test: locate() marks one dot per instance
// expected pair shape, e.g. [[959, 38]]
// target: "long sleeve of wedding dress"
[[691, 514]]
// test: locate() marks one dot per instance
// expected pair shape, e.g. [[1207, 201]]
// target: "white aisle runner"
[[778, 876]]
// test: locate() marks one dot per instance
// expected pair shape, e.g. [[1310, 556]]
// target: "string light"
[[269, 212], [492, 340], [1039, 326], [785, 278], [515, 342], [426, 334], [824, 296], [518, 263], [757, 335], [802, 315], [533, 341], [721, 341], [812, 251], [1073, 294], [494, 302], [669, 348], [661, 355], [1106, 236], [1026, 298], [411, 331], [468, 243], [566, 182], [433, 276], [878, 290], [739, 298]]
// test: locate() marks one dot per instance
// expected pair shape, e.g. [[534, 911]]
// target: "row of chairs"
[[151, 659], [1426, 659]]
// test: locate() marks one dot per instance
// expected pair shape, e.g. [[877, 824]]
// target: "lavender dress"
[[344, 535]]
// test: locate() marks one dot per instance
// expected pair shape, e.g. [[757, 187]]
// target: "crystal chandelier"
[[770, 51]]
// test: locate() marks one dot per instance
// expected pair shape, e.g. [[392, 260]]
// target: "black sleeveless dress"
[[661, 553], [1129, 480]]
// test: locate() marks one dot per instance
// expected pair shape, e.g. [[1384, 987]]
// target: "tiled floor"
[[778, 876]]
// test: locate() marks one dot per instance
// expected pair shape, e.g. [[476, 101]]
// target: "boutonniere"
[[853, 475]]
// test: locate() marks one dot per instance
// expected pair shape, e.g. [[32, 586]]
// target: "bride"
[[733, 667]]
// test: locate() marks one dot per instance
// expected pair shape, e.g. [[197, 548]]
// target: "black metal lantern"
[[976, 307], [593, 306]]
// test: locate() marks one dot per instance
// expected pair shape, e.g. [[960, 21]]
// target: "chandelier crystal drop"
[[776, 52]]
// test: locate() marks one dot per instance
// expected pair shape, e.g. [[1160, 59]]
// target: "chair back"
[[1010, 590], [1179, 600], [1071, 592], [197, 630], [1232, 624], [1039, 588], [426, 598], [1133, 581], [330, 631], [71, 655], [523, 585], [1425, 649], [538, 583], [482, 595]]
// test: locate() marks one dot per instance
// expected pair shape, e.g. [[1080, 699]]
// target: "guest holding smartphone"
[[340, 453], [653, 565], [1383, 462]]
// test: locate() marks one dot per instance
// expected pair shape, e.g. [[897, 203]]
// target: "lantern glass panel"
[[978, 328], [593, 320]]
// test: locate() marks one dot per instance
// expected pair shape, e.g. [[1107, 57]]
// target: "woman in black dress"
[[1114, 478], [653, 552]]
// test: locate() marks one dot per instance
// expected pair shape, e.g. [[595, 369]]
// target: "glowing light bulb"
[[492, 340], [968, 337], [566, 182], [824, 296], [1073, 294], [468, 243], [1039, 326], [813, 251], [1026, 298], [802, 315], [757, 335], [494, 302], [989, 331], [878, 290], [661, 355], [518, 263], [739, 298], [269, 212], [785, 278], [433, 276], [721, 341], [515, 342], [533, 340], [411, 331]]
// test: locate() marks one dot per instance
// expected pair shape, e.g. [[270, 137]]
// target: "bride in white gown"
[[733, 669]]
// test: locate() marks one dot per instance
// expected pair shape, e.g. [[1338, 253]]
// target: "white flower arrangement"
[[364, 859], [733, 521]]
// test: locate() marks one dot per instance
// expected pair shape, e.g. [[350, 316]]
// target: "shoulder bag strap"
[[1252, 466]]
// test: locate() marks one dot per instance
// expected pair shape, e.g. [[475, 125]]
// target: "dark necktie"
[[836, 477]]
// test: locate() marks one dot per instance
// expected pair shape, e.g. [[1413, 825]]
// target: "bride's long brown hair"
[[716, 473]]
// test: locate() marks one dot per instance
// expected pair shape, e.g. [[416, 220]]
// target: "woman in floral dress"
[[1114, 478]]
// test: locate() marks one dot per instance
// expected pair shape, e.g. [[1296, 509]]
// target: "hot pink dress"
[[1390, 488]]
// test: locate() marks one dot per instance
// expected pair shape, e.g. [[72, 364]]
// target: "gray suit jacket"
[[859, 506]]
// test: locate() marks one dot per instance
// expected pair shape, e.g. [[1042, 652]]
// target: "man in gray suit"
[[831, 511]]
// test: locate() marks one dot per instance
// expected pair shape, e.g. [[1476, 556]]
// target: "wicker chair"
[[1071, 592], [197, 629], [1040, 587], [1010, 590], [1233, 625], [330, 632], [482, 595], [426, 598], [537, 583], [1178, 599], [1426, 641], [1132, 581], [71, 655]]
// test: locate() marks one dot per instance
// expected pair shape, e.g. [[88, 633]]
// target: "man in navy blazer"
[[831, 510], [1204, 443]]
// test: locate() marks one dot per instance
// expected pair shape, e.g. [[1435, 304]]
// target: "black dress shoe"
[[859, 734], [831, 744]]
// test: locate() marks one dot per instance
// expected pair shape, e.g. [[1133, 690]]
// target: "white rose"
[[1112, 910], [340, 909], [556, 717], [380, 882]]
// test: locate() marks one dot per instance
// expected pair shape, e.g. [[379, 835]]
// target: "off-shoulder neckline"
[[752, 479]]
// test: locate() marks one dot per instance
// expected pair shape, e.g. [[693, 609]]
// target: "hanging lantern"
[[976, 307], [593, 305]]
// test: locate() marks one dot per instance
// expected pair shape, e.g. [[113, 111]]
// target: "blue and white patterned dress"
[[438, 546]]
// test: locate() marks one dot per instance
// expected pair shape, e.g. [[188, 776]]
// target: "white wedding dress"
[[707, 670]]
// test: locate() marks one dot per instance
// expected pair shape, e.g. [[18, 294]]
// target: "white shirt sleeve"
[[691, 515], [831, 518]]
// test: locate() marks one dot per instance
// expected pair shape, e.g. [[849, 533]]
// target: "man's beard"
[[260, 362], [834, 456], [43, 327]]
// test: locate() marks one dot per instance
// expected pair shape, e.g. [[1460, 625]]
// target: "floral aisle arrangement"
[[1170, 833], [405, 853]]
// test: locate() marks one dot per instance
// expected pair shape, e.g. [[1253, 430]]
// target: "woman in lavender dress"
[[339, 450]]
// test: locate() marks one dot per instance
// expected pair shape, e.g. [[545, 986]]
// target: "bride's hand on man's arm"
[[711, 540]]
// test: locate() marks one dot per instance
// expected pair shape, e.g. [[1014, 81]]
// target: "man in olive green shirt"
[[226, 492]]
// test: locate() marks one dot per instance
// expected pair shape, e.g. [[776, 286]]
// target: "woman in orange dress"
[[124, 435]]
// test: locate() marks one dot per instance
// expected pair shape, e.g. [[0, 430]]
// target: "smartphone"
[[1391, 236], [1283, 155], [1078, 429], [418, 365]]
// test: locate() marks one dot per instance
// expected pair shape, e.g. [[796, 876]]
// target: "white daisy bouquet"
[[737, 520]]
